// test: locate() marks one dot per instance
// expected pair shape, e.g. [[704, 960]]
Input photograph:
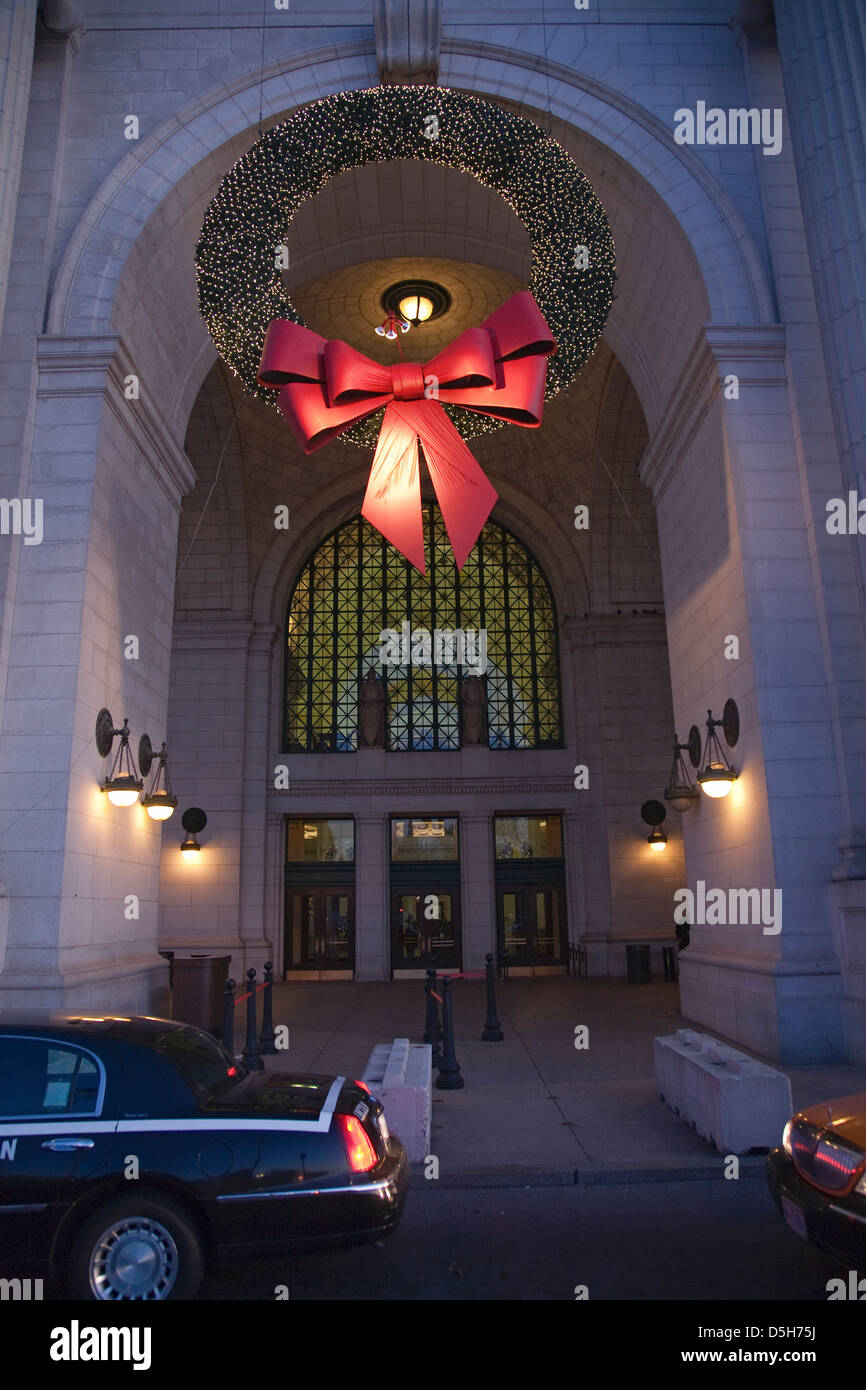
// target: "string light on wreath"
[[240, 286]]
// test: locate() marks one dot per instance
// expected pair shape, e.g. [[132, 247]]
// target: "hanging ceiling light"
[[159, 802], [417, 308], [718, 776], [416, 301], [123, 784], [680, 791], [653, 813]]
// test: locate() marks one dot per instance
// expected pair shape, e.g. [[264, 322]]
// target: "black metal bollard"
[[433, 1030], [492, 1028], [229, 1017], [251, 1058], [449, 1078], [430, 1018], [267, 1035]]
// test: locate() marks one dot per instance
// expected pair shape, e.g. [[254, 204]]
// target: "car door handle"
[[64, 1146]]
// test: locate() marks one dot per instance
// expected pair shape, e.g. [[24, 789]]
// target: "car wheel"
[[136, 1248]]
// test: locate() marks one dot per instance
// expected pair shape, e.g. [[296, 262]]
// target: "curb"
[[750, 1167]]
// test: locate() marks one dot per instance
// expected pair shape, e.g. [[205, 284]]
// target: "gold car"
[[818, 1176]]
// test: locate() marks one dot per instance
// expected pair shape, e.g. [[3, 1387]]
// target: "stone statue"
[[371, 712], [473, 698]]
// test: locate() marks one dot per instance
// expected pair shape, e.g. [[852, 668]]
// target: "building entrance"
[[531, 924], [320, 933], [425, 894], [319, 929], [425, 929], [530, 891]]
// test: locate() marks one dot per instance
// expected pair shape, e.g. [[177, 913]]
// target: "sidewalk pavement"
[[534, 1108]]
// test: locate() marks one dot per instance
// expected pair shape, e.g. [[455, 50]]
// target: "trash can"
[[199, 990], [169, 956], [637, 961]]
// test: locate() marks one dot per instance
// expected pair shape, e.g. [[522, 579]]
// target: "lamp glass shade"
[[190, 848], [657, 840], [681, 798], [159, 806], [417, 308], [716, 780], [123, 791]]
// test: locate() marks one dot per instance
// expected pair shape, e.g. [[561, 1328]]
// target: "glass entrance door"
[[531, 922], [425, 929], [320, 932]]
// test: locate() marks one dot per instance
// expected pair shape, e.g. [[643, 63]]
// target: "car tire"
[[136, 1248]]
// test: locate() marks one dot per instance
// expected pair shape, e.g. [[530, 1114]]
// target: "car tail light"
[[363, 1085], [359, 1147]]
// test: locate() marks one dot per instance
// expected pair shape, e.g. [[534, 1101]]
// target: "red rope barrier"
[[241, 997]]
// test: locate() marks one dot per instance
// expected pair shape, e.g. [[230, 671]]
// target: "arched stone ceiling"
[[348, 303], [404, 208]]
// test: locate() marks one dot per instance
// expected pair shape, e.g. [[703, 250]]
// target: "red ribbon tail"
[[465, 496], [392, 502]]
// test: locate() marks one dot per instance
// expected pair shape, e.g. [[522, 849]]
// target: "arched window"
[[356, 589]]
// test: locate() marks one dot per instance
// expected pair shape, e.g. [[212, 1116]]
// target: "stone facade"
[[707, 504]]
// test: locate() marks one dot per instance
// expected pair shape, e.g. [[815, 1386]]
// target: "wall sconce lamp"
[[123, 783], [681, 791], [160, 801], [718, 776], [192, 821], [653, 813]]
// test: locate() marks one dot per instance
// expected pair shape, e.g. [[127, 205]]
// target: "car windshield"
[[203, 1063]]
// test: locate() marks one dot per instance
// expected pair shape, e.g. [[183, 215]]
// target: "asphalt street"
[[710, 1239]]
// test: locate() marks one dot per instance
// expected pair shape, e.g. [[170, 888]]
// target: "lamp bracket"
[[731, 723], [104, 732], [145, 755], [193, 820], [653, 812], [694, 746]]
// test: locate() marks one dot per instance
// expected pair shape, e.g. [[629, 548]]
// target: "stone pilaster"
[[372, 898], [822, 47], [477, 894], [17, 31]]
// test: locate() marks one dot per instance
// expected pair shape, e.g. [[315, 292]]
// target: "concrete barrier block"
[[730, 1099], [399, 1075]]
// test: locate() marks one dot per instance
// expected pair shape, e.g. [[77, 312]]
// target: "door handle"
[[65, 1146]]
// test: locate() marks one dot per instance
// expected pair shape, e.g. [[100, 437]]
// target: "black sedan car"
[[134, 1150]]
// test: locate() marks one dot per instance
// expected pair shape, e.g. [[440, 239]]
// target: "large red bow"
[[497, 369]]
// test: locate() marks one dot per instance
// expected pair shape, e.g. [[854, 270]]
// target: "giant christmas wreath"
[[241, 291]]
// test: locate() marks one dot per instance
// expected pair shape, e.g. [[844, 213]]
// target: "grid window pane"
[[356, 587]]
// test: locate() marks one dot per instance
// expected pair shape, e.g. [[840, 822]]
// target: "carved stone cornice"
[[98, 365], [755, 353], [753, 19], [615, 630], [452, 786], [197, 631]]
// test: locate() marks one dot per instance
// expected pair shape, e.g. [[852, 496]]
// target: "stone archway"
[[698, 462]]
